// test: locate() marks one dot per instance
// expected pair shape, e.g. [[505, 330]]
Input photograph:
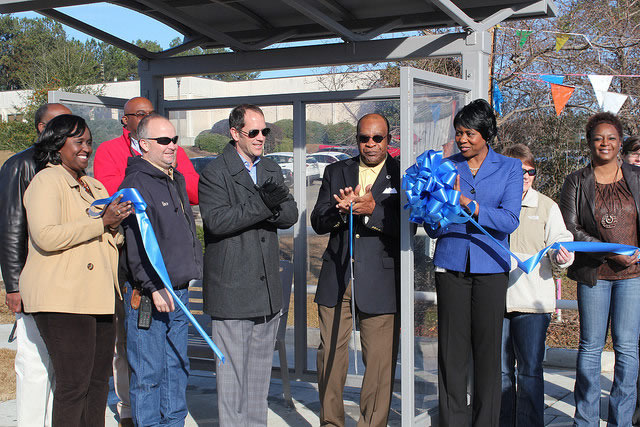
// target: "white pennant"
[[613, 101], [600, 86]]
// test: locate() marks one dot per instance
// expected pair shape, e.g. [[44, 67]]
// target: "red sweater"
[[110, 163]]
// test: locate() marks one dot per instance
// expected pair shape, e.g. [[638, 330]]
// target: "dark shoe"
[[126, 422]]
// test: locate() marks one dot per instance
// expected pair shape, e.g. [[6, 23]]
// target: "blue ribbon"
[[153, 252], [429, 188]]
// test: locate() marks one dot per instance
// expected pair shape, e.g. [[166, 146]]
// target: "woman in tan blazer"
[[69, 280]]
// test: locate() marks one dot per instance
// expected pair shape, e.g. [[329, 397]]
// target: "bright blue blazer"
[[497, 188]]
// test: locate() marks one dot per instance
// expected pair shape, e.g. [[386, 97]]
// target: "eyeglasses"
[[165, 140], [530, 172], [140, 114], [254, 132], [363, 139]]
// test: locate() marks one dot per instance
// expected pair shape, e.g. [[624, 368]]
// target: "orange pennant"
[[561, 95]]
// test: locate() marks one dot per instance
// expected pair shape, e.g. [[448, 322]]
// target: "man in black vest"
[[370, 183]]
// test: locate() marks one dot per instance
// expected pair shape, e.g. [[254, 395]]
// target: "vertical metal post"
[[475, 63], [151, 86], [406, 255], [300, 237]]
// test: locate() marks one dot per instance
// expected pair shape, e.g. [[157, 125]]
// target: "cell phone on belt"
[[144, 312]]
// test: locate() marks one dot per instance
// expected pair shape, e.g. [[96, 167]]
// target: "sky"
[[130, 26]]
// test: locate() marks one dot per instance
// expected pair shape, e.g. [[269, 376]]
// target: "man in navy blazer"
[[371, 182]]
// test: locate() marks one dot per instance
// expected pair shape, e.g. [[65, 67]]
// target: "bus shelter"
[[253, 33]]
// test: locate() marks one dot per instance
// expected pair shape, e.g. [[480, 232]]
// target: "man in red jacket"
[[111, 156], [109, 164]]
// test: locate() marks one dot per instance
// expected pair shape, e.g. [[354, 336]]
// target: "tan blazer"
[[72, 262]]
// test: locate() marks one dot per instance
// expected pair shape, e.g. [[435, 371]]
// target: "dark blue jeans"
[[159, 366], [616, 302], [523, 341]]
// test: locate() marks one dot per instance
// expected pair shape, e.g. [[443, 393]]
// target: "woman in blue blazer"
[[472, 271]]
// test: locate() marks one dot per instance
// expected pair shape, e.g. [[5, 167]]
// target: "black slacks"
[[81, 351], [470, 312]]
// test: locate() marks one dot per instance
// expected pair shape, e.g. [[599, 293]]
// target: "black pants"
[[470, 312], [81, 350]]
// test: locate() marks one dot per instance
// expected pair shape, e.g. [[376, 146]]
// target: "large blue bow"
[[153, 252], [429, 188]]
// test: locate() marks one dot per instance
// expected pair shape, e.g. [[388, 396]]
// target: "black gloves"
[[272, 194]]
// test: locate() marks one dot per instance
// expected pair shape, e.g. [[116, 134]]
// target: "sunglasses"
[[363, 139], [530, 172], [165, 140], [140, 114], [254, 132]]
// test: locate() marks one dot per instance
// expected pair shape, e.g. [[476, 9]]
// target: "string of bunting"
[[561, 93], [433, 202], [152, 249]]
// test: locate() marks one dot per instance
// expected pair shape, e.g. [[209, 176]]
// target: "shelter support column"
[[300, 237], [475, 63], [151, 86]]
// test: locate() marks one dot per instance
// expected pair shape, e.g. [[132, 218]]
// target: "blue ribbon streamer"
[[429, 189], [152, 249]]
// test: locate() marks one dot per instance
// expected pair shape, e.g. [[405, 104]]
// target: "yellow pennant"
[[561, 39]]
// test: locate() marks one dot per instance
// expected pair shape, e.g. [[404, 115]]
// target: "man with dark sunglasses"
[[370, 183], [243, 202], [109, 164], [157, 352]]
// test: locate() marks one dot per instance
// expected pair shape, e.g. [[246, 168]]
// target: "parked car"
[[199, 163], [285, 160], [325, 158]]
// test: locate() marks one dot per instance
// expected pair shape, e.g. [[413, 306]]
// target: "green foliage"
[[316, 133], [285, 144], [340, 133], [200, 233], [16, 136], [211, 142], [286, 126]]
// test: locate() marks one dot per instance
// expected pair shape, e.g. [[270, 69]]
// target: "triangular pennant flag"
[[561, 39], [600, 86], [613, 102], [561, 95], [552, 78], [524, 35], [497, 98]]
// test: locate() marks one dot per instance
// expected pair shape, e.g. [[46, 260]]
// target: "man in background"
[[34, 373]]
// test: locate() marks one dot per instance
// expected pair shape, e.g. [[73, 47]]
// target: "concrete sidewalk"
[[202, 397]]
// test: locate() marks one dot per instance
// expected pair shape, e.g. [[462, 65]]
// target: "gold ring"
[[118, 212]]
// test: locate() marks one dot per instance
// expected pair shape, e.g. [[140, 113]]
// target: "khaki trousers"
[[379, 335]]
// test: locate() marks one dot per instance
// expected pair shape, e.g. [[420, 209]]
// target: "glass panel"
[[103, 121], [433, 111]]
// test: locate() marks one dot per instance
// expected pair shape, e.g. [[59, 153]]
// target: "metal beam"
[[97, 33], [13, 6], [189, 44], [248, 13], [455, 13], [334, 26], [196, 24], [451, 44], [336, 7]]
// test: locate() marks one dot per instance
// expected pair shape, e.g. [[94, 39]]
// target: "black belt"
[[262, 319]]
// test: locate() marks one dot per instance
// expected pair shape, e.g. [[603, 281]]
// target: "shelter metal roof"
[[248, 25]]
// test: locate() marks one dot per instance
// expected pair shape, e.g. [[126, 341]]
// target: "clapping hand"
[[272, 193], [116, 212]]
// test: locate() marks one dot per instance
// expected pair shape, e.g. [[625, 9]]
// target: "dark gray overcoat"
[[241, 261]]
